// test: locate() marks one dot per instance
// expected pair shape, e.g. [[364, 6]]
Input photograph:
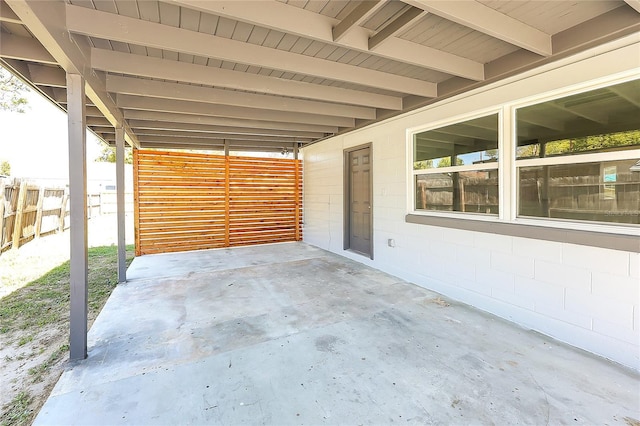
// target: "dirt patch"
[[34, 318]]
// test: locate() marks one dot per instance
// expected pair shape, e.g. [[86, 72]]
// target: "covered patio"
[[375, 98], [292, 334]]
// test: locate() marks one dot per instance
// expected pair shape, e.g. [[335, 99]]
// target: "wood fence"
[[186, 201], [28, 212]]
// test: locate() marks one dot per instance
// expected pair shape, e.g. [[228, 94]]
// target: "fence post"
[[38, 224], [17, 228], [2, 202], [63, 210]]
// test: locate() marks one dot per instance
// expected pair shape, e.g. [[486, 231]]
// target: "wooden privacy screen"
[[186, 201]]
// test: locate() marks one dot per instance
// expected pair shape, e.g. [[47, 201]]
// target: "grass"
[[45, 300], [40, 310], [18, 412]]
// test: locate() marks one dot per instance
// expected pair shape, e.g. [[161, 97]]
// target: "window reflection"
[[602, 122], [600, 191], [470, 191], [470, 142]]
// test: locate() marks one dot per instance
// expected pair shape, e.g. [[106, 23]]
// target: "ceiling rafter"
[[42, 75], [599, 117], [215, 136], [212, 110], [303, 23], [634, 4], [220, 121], [189, 140], [110, 26], [484, 19], [165, 69], [177, 91], [395, 27], [8, 15], [186, 127], [633, 98], [356, 17], [24, 49]]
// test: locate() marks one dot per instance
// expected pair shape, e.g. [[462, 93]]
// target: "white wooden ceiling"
[[270, 74]]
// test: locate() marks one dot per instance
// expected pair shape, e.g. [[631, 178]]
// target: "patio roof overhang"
[[265, 75], [268, 75]]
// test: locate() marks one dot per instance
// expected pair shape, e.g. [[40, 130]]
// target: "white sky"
[[35, 142]]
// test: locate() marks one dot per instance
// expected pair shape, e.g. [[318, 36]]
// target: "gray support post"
[[226, 147], [295, 151], [122, 255], [78, 209]]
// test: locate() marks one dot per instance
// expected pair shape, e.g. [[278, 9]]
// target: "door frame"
[[347, 197]]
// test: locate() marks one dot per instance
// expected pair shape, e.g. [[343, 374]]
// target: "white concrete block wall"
[[585, 296]]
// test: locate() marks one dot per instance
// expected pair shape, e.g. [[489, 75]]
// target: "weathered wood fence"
[[28, 211], [188, 201]]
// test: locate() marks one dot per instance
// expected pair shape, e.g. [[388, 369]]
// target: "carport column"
[[122, 255], [78, 208]]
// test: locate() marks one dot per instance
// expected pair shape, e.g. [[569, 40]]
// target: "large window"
[[572, 158], [455, 167], [577, 157]]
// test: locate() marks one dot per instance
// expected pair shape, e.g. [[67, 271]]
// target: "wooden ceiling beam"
[[199, 108], [24, 49], [363, 11], [278, 16], [110, 26], [484, 19], [187, 127], [145, 66], [8, 15], [408, 18], [185, 92], [220, 121], [230, 136], [634, 4], [207, 141], [42, 75]]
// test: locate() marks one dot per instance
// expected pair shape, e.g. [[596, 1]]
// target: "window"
[[577, 156], [455, 167]]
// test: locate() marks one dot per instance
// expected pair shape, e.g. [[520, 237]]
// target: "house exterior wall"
[[586, 296]]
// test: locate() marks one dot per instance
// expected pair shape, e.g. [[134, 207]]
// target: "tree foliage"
[[12, 93], [108, 155], [423, 164], [605, 142], [446, 162], [5, 168]]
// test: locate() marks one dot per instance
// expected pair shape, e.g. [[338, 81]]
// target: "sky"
[[35, 142]]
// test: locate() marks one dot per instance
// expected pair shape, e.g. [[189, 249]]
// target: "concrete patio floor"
[[290, 334]]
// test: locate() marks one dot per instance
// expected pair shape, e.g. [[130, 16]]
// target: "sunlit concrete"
[[290, 334]]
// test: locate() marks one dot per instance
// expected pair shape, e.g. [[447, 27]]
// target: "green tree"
[[446, 162], [5, 168], [108, 155], [422, 165], [12, 92]]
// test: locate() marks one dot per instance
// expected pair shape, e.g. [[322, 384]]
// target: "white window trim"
[[578, 158], [507, 164], [436, 170], [466, 168]]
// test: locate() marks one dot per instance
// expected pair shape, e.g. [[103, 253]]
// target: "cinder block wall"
[[588, 297]]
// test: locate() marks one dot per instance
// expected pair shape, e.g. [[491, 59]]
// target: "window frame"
[[411, 132], [507, 164]]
